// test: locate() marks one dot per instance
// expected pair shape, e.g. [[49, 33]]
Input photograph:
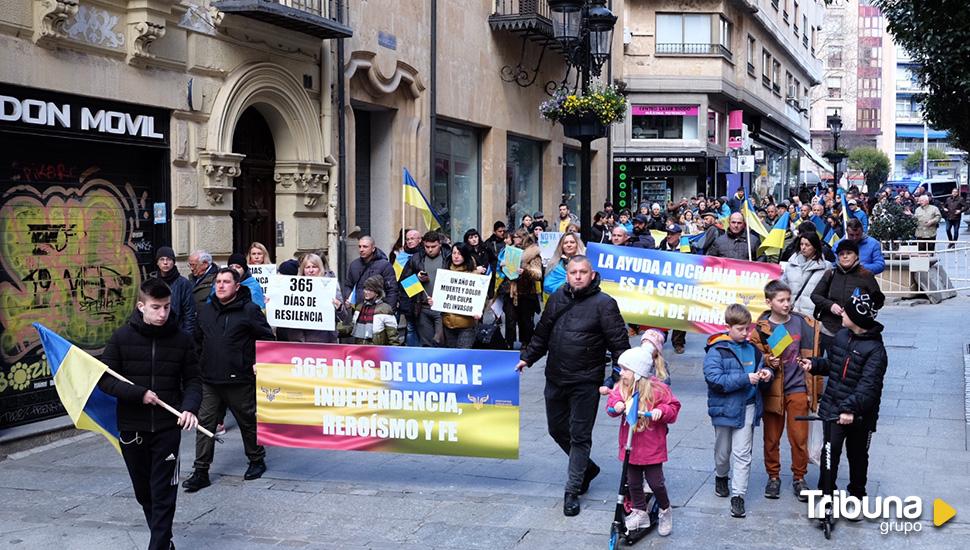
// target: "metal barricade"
[[930, 268]]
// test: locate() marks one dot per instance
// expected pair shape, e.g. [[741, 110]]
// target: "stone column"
[[301, 205]]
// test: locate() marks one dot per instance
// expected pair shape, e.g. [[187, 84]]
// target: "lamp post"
[[835, 155], [584, 28]]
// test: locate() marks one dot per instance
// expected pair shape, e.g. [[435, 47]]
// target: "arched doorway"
[[254, 199]]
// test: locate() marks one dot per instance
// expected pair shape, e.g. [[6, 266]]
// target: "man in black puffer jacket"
[[855, 367], [579, 325], [226, 335], [159, 359], [183, 303]]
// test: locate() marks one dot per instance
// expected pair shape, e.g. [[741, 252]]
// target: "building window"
[[724, 34], [867, 118], [524, 178], [693, 34], [766, 68], [835, 57], [795, 20], [715, 135], [774, 4], [570, 180], [456, 188], [870, 87], [806, 30], [752, 51], [784, 13], [870, 56], [776, 77], [791, 92], [834, 85], [664, 121]]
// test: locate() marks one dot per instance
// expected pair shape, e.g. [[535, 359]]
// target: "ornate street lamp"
[[584, 29], [835, 156]]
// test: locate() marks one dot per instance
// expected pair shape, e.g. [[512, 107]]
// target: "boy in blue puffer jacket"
[[733, 368]]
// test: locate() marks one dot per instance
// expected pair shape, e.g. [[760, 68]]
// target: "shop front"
[[84, 204], [648, 179]]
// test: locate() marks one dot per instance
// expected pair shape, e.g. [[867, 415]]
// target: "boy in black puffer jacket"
[[160, 360], [855, 366]]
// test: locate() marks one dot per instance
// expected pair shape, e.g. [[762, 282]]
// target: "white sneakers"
[[665, 522], [638, 519]]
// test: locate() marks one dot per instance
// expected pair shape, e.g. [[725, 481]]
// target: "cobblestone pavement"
[[76, 494]]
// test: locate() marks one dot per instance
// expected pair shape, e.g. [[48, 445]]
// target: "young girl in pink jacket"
[[640, 374]]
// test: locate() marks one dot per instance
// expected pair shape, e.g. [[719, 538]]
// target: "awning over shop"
[[917, 132], [816, 158]]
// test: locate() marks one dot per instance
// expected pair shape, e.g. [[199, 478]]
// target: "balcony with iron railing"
[[527, 17], [318, 18], [908, 117], [694, 49], [917, 145]]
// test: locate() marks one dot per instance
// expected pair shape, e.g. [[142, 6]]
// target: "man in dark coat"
[[226, 337], [183, 304], [578, 326], [855, 367], [151, 351], [203, 273], [372, 261], [432, 256], [735, 241]]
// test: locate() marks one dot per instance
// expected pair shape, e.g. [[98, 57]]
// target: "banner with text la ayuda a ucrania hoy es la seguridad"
[[388, 399], [677, 290]]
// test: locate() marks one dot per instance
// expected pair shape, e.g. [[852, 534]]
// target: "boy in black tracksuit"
[[855, 365], [152, 352]]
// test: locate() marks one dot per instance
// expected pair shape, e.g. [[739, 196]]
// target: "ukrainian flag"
[[414, 197], [820, 226], [76, 376], [779, 340], [685, 243], [832, 238], [412, 286], [776, 238], [400, 260], [845, 210], [753, 221]]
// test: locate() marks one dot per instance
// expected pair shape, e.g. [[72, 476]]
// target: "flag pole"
[[164, 405], [403, 209]]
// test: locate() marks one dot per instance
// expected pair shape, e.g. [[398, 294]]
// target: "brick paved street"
[[76, 494]]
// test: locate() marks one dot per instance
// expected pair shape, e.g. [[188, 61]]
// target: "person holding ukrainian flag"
[[160, 361], [784, 337]]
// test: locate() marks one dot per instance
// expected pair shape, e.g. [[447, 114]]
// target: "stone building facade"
[[687, 66], [128, 125], [431, 87]]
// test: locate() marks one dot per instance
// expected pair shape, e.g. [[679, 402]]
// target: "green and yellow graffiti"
[[68, 265]]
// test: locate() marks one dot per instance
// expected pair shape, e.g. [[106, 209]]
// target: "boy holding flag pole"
[[784, 337]]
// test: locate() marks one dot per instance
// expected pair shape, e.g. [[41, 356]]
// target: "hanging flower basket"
[[586, 116], [586, 126]]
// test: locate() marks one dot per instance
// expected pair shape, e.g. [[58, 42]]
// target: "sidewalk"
[[76, 494]]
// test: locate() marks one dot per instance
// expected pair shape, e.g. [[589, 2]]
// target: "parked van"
[[939, 188]]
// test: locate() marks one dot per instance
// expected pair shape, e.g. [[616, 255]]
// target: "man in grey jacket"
[[927, 223]]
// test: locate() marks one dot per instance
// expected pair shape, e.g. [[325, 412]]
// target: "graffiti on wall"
[[68, 262]]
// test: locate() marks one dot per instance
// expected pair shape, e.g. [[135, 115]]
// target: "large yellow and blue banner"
[[676, 290], [388, 399]]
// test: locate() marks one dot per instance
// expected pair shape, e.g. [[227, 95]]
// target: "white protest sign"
[[459, 292], [262, 273], [547, 244], [301, 302]]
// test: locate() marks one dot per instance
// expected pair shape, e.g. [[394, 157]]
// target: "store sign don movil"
[[60, 115]]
